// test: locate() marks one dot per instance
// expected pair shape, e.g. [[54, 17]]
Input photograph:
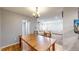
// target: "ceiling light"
[[36, 13]]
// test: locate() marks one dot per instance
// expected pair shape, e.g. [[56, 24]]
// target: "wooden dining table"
[[38, 42]]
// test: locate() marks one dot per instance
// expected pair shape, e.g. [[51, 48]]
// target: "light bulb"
[[33, 14]]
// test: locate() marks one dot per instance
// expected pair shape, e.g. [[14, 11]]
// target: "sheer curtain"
[[53, 26], [25, 27]]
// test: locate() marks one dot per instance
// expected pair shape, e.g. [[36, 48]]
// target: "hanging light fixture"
[[36, 13]]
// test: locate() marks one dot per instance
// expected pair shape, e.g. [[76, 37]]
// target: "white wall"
[[69, 15], [69, 36], [11, 27], [0, 27]]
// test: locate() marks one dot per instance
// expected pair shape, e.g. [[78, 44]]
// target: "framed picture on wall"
[[76, 25]]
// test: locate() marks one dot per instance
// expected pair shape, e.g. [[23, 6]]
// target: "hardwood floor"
[[15, 47]]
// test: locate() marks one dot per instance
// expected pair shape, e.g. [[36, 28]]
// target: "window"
[[54, 26]]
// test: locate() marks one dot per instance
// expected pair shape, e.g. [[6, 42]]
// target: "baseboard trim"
[[8, 45]]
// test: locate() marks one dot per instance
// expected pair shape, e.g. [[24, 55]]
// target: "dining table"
[[38, 42]]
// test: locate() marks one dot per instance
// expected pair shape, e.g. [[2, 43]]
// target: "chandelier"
[[36, 13]]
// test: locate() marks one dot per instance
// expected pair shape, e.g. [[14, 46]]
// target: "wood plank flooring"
[[15, 47]]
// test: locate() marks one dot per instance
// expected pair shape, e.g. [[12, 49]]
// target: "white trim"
[[8, 45]]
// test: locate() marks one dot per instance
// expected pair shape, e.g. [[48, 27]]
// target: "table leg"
[[53, 47], [48, 49]]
